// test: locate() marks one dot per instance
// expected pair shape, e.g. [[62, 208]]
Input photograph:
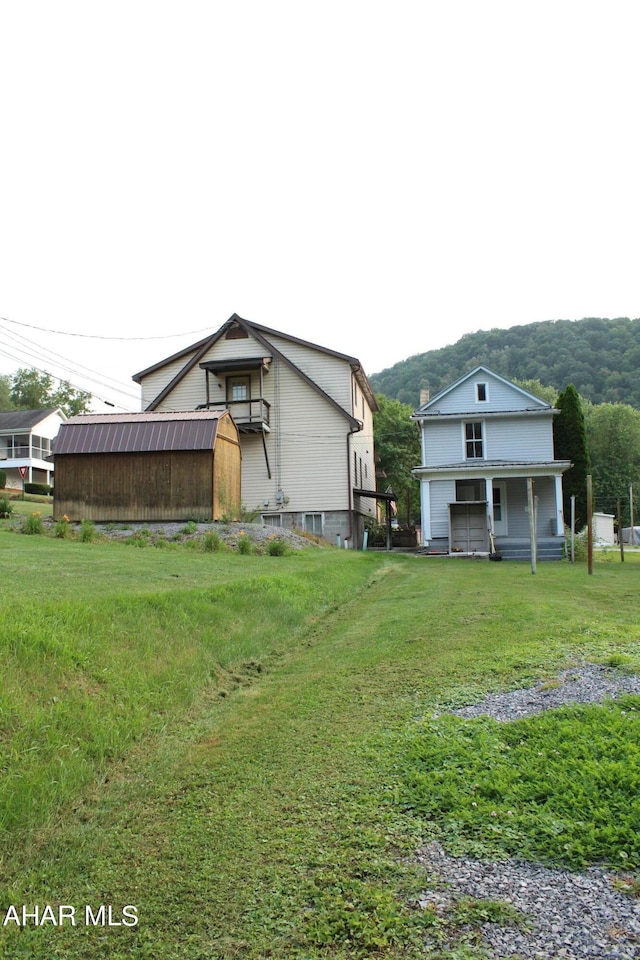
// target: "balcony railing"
[[247, 414]]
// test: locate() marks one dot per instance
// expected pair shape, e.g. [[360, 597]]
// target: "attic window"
[[481, 392], [236, 333]]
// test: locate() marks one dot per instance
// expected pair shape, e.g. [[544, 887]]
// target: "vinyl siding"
[[517, 507], [527, 439], [443, 492], [442, 443], [501, 396], [154, 383], [332, 374]]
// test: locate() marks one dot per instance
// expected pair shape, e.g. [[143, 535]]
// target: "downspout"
[[353, 430]]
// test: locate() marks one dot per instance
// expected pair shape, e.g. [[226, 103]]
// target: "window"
[[313, 523], [238, 389], [473, 441], [272, 519], [481, 392]]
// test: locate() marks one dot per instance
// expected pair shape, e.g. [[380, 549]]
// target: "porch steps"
[[548, 549]]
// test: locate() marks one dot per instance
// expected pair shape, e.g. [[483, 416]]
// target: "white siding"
[[332, 374], [154, 383]]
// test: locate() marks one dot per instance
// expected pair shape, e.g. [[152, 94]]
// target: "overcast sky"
[[376, 178]]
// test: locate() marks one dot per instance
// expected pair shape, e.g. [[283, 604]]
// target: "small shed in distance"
[[147, 467]]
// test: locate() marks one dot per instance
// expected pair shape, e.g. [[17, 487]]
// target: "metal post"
[[632, 538], [532, 524], [589, 524], [573, 528], [620, 539]]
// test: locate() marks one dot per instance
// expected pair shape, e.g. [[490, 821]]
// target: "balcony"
[[250, 416]]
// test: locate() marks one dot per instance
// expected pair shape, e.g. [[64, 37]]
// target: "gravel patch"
[[571, 915], [581, 915], [588, 683]]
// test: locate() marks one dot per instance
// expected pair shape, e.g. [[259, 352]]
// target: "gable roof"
[[430, 408], [139, 432], [26, 419], [197, 351]]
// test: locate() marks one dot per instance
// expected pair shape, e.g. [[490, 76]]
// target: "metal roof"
[[138, 432]]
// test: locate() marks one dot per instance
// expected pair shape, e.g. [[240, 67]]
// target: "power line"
[[98, 336], [78, 369]]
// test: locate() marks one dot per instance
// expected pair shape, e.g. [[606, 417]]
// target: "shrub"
[[211, 542], [62, 528], [189, 528], [42, 489], [277, 547], [6, 508], [33, 524], [244, 544], [88, 531]]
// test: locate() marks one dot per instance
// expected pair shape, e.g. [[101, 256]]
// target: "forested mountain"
[[601, 358]]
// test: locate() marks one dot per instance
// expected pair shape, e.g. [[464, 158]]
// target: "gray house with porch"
[[487, 462]]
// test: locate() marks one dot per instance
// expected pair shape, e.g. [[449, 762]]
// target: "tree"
[[397, 443], [548, 394], [570, 443], [31, 390], [6, 402], [613, 434]]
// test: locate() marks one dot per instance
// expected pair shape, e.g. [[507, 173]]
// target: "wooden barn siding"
[[227, 466], [501, 396], [164, 486]]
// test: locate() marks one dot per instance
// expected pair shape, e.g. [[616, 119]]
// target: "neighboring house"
[[147, 467], [483, 439], [305, 416], [25, 442]]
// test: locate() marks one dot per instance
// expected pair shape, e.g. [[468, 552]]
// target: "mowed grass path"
[[264, 823]]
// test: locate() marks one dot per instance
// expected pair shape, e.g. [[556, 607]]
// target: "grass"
[[264, 718]]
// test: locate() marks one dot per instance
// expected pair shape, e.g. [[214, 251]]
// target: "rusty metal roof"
[[138, 432]]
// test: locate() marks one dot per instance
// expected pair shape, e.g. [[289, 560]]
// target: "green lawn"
[[229, 743]]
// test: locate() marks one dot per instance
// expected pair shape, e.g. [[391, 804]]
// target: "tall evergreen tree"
[[570, 443]]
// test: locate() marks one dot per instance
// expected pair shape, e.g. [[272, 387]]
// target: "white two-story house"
[[487, 463], [25, 444], [305, 418]]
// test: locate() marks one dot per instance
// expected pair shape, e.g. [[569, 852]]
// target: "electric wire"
[[99, 336]]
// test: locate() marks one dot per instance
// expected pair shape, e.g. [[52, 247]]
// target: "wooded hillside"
[[600, 357]]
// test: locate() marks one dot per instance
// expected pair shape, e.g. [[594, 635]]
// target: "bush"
[[212, 543], [62, 528], [6, 508], [277, 547], [33, 524], [42, 489], [88, 531], [244, 544]]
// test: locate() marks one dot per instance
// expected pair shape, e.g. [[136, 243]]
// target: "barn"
[[147, 467]]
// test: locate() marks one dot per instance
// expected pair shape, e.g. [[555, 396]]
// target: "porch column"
[[489, 499], [425, 510], [559, 514]]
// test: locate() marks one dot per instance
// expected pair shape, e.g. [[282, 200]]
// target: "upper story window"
[[238, 389], [481, 392], [474, 443]]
